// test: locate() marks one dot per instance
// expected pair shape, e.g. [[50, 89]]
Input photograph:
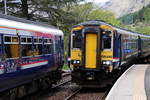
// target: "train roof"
[[118, 29], [19, 23], [92, 22]]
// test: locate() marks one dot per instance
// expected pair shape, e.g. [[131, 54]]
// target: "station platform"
[[134, 84]]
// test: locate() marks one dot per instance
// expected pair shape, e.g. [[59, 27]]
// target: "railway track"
[[88, 94], [105, 94], [65, 90], [73, 94], [66, 79]]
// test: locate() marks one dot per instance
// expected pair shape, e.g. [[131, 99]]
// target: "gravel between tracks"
[[90, 94], [62, 92]]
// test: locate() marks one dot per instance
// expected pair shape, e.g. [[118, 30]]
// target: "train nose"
[[90, 76]]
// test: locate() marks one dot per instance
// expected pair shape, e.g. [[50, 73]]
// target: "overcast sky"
[[97, 1]]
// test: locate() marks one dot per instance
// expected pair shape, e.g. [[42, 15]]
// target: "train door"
[[90, 50]]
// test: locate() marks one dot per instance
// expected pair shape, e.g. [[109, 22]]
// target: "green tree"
[[99, 14], [89, 11], [147, 15]]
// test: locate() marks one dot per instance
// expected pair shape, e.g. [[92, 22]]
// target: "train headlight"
[[78, 61], [75, 61], [106, 62]]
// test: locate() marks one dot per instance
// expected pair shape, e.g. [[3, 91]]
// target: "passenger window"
[[47, 46], [106, 39], [7, 39], [29, 40], [40, 41], [23, 39], [11, 47], [26, 46], [26, 50], [14, 39], [38, 46]]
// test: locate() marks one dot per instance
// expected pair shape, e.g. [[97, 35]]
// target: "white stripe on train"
[[34, 65], [25, 26]]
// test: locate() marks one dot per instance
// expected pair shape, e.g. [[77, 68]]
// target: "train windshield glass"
[[76, 39], [106, 39]]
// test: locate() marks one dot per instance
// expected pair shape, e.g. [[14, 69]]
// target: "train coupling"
[[90, 76]]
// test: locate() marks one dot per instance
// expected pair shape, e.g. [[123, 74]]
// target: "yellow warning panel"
[[90, 54], [76, 55], [107, 55]]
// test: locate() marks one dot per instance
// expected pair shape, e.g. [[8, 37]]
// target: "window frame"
[[10, 43], [72, 41], [50, 43], [26, 43], [112, 40]]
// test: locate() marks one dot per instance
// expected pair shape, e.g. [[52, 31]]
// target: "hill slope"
[[123, 7]]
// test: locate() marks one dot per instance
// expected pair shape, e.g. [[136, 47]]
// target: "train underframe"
[[91, 78], [25, 89]]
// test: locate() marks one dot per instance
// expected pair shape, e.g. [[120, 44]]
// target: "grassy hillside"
[[138, 21]]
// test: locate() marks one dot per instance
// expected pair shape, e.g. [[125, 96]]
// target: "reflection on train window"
[[37, 49], [29, 40], [7, 39], [14, 39], [26, 50], [106, 39], [37, 46], [35, 40], [47, 49], [11, 47], [40, 41], [47, 46], [26, 46], [77, 39], [23, 39]]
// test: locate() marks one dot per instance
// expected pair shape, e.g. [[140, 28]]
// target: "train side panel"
[[27, 56]]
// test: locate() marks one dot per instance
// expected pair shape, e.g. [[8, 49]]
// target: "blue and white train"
[[29, 52], [98, 50]]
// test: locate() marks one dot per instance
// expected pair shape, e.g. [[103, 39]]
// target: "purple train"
[[31, 55]]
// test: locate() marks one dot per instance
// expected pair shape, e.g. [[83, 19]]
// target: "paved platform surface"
[[134, 84]]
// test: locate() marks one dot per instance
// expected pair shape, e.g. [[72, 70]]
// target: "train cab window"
[[77, 39], [11, 47], [26, 46], [106, 39]]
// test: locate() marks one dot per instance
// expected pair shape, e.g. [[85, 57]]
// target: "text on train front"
[[107, 48]]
